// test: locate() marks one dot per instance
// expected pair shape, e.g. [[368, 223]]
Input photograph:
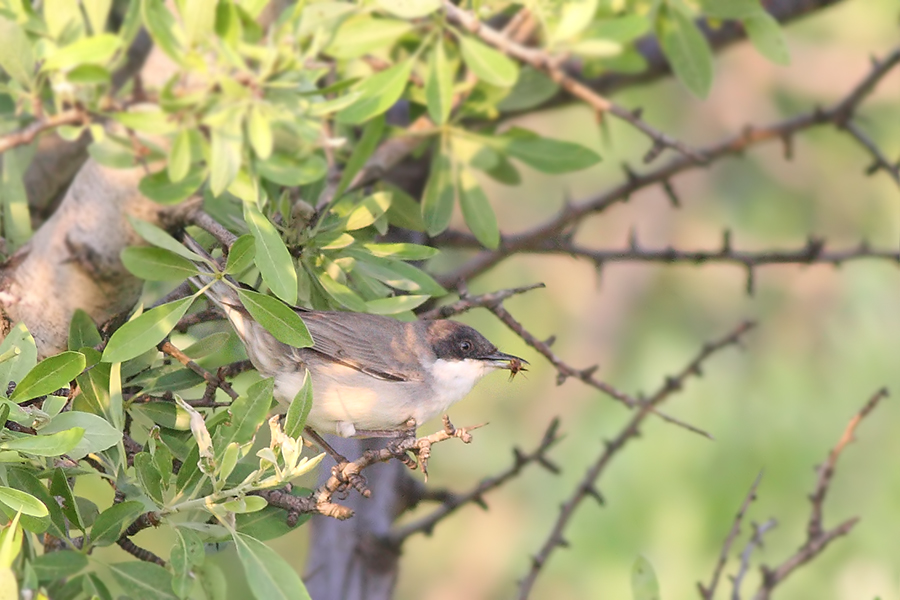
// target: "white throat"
[[453, 379]]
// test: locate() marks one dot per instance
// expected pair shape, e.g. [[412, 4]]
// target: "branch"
[[347, 474], [755, 540], [213, 381], [550, 65], [467, 303], [571, 214], [817, 537], [587, 486], [454, 501], [708, 592], [564, 370], [24, 136]]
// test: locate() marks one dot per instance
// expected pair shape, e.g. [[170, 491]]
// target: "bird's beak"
[[502, 360]]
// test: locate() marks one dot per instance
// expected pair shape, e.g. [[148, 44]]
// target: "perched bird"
[[371, 374]]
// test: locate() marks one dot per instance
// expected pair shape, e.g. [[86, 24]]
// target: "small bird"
[[372, 376]]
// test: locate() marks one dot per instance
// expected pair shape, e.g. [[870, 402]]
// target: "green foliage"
[[302, 103]]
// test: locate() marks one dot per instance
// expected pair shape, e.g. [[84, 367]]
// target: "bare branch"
[[454, 501], [708, 592], [213, 381], [467, 303], [755, 540], [572, 214], [546, 63], [587, 486], [817, 537]]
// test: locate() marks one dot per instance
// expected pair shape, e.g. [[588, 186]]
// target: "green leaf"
[[489, 65], [16, 57], [199, 16], [377, 93], [277, 318], [369, 210], [179, 163], [644, 584], [113, 522], [144, 580], [24, 480], [731, 9], [299, 409], [49, 375], [246, 504], [149, 477], [213, 580], [395, 304], [292, 171], [156, 264], [162, 28], [144, 332], [404, 211], [687, 50], [97, 13], [549, 155], [532, 89], [268, 575], [247, 414], [226, 147], [241, 254], [163, 190], [575, 16], [97, 49], [397, 274], [62, 492], [364, 148], [22, 502], [440, 194], [186, 553], [402, 251], [477, 210], [17, 340], [82, 331], [158, 237], [259, 132], [208, 345], [56, 444], [767, 37], [165, 414], [361, 34], [341, 293], [409, 9], [439, 85], [16, 218], [98, 433], [55, 566], [272, 257]]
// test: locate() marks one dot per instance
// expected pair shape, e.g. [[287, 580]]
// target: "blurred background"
[[827, 339]]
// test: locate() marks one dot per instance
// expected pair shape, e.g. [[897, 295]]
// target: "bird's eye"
[[465, 345]]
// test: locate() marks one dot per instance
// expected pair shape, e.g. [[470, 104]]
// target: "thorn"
[[726, 242], [629, 173], [787, 143], [594, 493], [654, 151], [545, 462], [670, 193], [751, 284], [561, 378], [632, 240], [586, 373], [550, 341]]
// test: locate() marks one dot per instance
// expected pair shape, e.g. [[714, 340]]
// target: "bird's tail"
[[262, 347]]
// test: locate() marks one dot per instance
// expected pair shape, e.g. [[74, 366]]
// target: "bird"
[[372, 375]]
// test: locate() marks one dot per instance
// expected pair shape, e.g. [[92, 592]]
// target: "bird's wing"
[[377, 346]]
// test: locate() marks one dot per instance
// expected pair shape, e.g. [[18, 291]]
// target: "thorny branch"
[[558, 228], [587, 486], [817, 537], [24, 136], [546, 63], [346, 475], [709, 591], [454, 501], [814, 251]]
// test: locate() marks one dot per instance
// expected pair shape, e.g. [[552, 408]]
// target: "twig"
[[467, 303], [204, 221], [708, 592], [564, 371], [572, 214], [542, 61], [817, 537], [454, 501], [347, 474], [27, 135], [587, 486], [755, 540], [212, 380]]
